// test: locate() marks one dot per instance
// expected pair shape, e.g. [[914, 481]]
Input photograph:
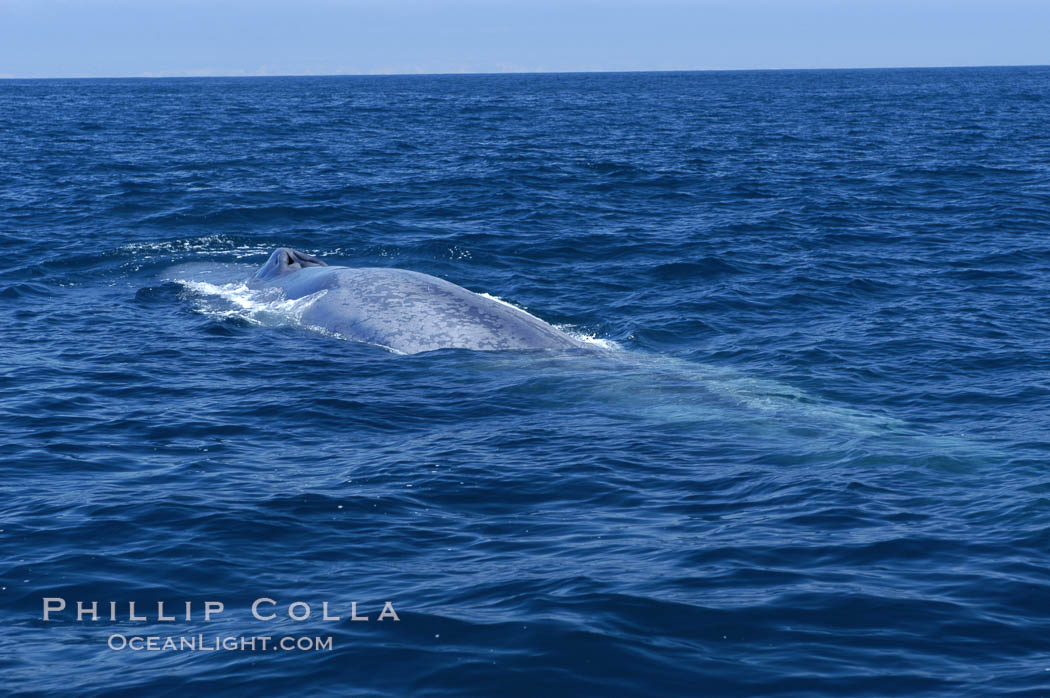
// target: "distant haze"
[[97, 38]]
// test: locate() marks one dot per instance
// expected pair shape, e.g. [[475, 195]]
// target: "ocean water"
[[808, 458]]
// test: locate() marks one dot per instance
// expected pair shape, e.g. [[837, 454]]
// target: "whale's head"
[[283, 261]]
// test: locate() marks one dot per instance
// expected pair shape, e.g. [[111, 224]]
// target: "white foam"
[[506, 303], [581, 336], [259, 306], [206, 245]]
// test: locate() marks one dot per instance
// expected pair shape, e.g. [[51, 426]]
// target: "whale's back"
[[412, 312]]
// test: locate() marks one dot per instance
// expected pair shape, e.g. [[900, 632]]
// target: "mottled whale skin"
[[405, 311]]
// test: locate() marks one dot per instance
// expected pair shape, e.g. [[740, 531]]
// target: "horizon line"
[[199, 76]]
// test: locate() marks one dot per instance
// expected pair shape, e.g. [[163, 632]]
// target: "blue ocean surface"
[[808, 456]]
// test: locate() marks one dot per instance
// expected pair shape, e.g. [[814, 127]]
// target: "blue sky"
[[95, 38]]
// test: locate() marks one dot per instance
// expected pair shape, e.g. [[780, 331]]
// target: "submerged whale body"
[[405, 311]]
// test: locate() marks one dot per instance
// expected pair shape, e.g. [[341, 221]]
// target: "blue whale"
[[404, 311]]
